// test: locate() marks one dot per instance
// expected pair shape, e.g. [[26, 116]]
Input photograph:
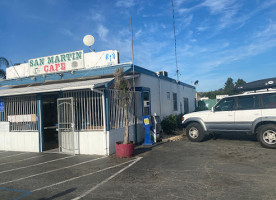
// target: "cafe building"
[[67, 103]]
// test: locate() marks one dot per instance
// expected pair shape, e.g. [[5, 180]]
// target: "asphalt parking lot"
[[230, 167]]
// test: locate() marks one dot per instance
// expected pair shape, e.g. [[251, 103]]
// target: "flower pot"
[[124, 150]]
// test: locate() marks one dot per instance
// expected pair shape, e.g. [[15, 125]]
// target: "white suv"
[[253, 113]]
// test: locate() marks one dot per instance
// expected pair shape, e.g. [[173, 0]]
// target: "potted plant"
[[124, 148]]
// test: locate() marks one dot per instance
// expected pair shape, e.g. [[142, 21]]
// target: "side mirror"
[[213, 109]]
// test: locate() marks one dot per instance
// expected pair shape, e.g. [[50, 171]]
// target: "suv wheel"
[[194, 132], [267, 136]]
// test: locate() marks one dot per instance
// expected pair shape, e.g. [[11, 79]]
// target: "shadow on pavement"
[[232, 136], [59, 194], [145, 148]]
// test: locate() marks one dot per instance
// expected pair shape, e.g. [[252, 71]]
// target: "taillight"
[[182, 119]]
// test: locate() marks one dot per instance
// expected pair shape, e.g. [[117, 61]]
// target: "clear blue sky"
[[216, 39]]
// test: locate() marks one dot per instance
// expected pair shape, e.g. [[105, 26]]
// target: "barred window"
[[21, 112], [117, 110], [88, 108]]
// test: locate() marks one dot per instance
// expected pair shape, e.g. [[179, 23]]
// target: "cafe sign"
[[57, 63]]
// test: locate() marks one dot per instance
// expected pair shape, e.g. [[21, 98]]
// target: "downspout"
[[160, 107], [39, 121]]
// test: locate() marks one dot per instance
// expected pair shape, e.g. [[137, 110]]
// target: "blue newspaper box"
[[146, 124]]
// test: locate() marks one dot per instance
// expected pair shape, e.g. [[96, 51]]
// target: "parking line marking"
[[52, 171], [22, 160], [34, 165], [25, 193], [77, 177], [14, 155], [106, 180]]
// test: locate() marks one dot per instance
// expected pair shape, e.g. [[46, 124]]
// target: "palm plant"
[[4, 63], [2, 74], [125, 98]]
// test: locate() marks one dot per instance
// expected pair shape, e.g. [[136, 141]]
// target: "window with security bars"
[[117, 109], [88, 109], [21, 112]]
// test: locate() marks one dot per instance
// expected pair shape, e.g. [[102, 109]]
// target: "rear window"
[[269, 100], [248, 102]]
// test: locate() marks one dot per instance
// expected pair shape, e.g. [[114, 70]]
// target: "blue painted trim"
[[88, 73], [25, 193], [151, 73], [66, 75], [150, 101], [142, 101], [106, 96], [60, 95], [142, 89], [110, 83], [40, 121]]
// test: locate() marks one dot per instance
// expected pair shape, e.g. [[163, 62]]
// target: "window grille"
[[117, 109], [88, 107], [21, 112]]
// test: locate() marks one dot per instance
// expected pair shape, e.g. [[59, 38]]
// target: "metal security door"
[[66, 126]]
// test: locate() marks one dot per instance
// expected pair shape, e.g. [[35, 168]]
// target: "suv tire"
[[267, 136], [194, 132]]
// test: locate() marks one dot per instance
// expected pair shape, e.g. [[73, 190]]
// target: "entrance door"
[[68, 141], [49, 122]]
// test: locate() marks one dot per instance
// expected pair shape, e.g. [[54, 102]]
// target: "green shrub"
[[179, 121], [169, 124]]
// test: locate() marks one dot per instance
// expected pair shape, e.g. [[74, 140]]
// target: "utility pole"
[[133, 72], [133, 85]]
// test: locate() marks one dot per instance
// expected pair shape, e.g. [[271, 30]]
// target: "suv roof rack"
[[255, 86], [259, 91]]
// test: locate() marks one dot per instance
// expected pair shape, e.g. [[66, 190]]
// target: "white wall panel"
[[92, 142], [159, 88], [19, 141]]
